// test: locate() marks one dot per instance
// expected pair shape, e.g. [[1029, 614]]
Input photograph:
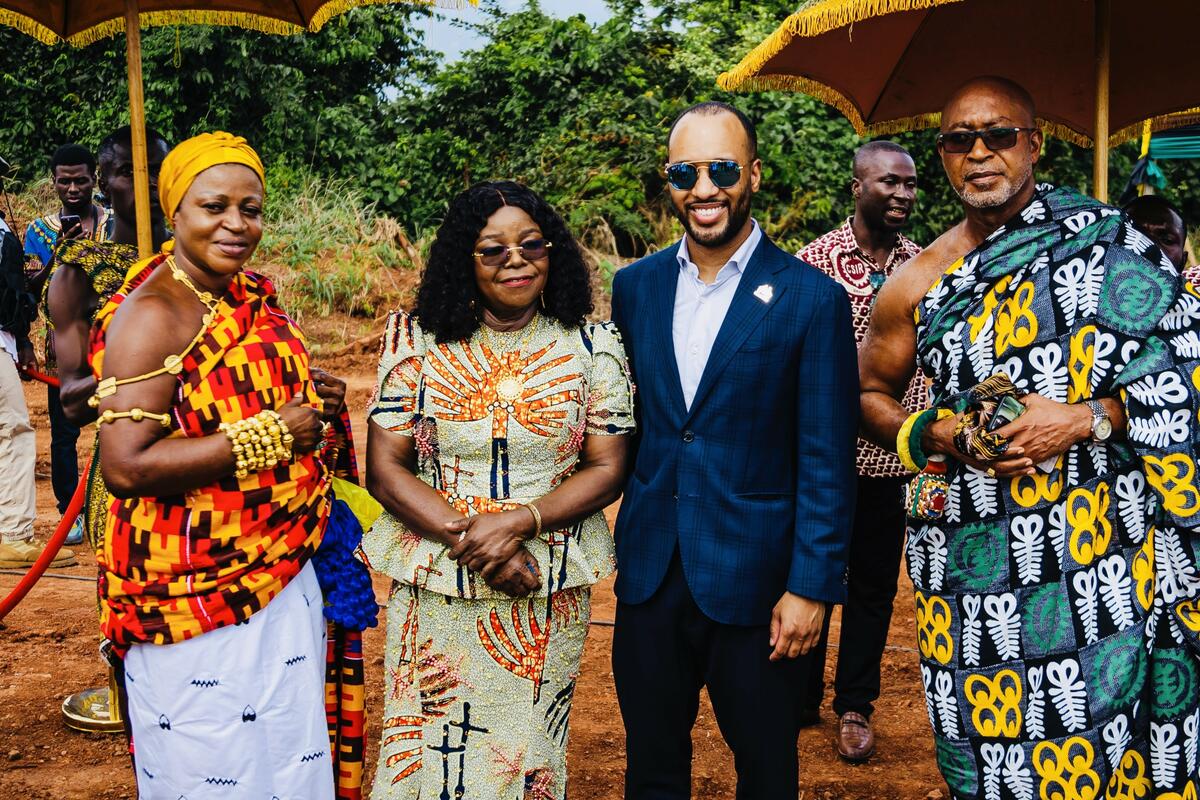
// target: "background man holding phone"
[[73, 168]]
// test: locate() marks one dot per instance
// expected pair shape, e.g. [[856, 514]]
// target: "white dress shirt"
[[700, 309]]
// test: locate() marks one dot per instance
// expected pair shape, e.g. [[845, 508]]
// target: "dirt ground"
[[48, 650]]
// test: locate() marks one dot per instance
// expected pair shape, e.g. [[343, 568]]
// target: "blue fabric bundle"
[[345, 581]]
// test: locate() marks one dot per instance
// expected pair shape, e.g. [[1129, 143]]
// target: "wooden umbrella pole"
[[137, 124], [1103, 62]]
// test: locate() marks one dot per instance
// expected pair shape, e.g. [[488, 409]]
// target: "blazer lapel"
[[662, 309], [753, 299]]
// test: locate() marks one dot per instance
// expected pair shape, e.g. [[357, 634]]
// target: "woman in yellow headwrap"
[[210, 423]]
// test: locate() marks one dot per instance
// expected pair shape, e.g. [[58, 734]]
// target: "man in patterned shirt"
[[860, 255]]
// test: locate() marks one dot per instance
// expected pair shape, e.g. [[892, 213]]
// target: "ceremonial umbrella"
[[80, 24], [1092, 66]]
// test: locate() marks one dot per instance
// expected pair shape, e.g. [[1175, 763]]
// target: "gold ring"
[[991, 472]]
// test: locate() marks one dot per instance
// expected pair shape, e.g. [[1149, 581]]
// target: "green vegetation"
[[367, 135]]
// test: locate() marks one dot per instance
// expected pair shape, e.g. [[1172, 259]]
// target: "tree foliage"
[[315, 101], [577, 111]]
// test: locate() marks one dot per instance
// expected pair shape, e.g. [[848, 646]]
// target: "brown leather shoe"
[[855, 740]]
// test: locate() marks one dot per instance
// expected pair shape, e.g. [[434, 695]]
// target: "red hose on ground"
[[52, 547], [40, 376]]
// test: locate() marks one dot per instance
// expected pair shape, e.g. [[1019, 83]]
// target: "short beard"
[[998, 197], [738, 214]]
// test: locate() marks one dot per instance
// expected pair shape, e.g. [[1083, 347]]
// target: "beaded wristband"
[[259, 442], [902, 440], [908, 440], [927, 418]]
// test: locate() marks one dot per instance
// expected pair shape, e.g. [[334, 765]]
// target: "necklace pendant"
[[173, 364], [509, 388]]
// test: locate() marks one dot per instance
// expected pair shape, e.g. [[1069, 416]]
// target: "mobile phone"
[[68, 221], [1008, 409]]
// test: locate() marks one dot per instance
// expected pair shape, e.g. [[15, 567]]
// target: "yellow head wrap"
[[190, 158]]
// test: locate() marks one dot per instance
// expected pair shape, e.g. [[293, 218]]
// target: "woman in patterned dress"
[[497, 435]]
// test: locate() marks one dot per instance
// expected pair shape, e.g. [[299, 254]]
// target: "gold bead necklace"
[[205, 297]]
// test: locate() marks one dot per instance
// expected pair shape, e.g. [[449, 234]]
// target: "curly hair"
[[449, 303]]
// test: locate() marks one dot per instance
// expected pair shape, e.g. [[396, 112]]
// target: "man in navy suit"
[[732, 534]]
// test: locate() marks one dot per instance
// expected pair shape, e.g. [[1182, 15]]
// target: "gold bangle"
[[537, 520], [902, 450], [135, 414]]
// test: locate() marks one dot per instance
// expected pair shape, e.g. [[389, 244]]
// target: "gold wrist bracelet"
[[537, 520]]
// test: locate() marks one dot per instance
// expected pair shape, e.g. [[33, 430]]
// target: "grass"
[[329, 250]]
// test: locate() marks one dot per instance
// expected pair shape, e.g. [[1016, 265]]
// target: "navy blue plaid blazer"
[[755, 484]]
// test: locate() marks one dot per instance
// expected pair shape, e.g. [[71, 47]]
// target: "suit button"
[[688, 436]]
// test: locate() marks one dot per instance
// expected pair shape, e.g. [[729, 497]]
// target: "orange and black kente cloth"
[[175, 567]]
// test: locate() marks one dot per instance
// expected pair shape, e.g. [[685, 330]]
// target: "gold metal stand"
[[94, 710]]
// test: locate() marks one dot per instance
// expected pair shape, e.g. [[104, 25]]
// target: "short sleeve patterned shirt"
[[838, 255], [499, 420]]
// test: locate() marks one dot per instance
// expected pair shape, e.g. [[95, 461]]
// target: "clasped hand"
[[1046, 430], [491, 544]]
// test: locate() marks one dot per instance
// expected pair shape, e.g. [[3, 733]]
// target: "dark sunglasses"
[[993, 139], [684, 174], [497, 255]]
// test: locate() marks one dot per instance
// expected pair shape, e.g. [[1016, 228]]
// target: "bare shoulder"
[[913, 279], [145, 329]]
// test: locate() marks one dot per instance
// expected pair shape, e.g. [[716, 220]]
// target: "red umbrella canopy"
[[84, 23], [889, 65]]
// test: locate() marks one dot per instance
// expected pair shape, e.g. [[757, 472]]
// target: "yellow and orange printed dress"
[[478, 686]]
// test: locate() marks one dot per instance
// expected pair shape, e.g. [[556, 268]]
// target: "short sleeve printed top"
[[498, 421]]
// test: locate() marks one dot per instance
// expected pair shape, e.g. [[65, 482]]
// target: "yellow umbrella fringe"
[[335, 7], [28, 27], [239, 19], [1162, 122], [252, 22], [814, 20], [795, 83], [830, 96]]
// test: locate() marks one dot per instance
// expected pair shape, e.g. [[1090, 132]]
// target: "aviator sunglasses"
[[993, 139], [722, 172], [497, 255]]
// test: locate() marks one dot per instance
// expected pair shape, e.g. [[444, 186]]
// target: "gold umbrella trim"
[[823, 16], [239, 19], [28, 27], [830, 96], [815, 19]]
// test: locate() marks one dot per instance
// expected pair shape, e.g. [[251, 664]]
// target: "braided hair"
[[449, 303]]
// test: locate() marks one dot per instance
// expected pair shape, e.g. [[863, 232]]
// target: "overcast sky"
[[441, 34]]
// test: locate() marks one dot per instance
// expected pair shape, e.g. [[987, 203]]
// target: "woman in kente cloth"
[[211, 581], [496, 437], [84, 275], [1057, 611]]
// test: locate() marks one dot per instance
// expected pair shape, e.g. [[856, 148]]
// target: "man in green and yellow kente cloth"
[[85, 272], [1057, 588]]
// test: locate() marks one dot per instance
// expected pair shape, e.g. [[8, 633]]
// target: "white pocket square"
[[764, 292]]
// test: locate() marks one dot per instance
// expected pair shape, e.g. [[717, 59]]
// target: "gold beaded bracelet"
[[259, 442]]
